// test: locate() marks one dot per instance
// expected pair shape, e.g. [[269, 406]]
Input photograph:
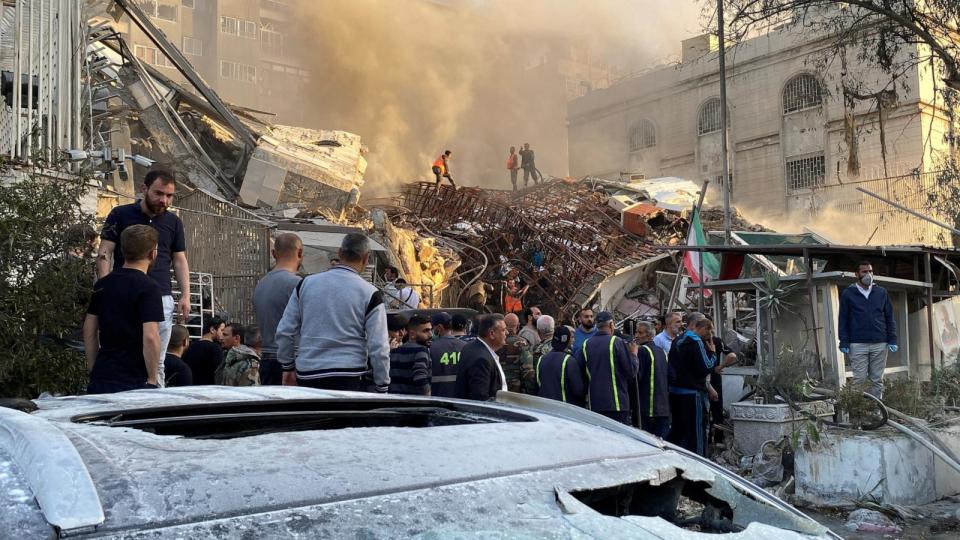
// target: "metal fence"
[[230, 243], [884, 223]]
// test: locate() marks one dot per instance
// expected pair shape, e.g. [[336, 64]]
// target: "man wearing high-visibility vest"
[[611, 368], [559, 372], [653, 383], [441, 168]]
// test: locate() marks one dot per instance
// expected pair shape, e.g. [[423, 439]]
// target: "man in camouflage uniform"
[[241, 367], [516, 359], [545, 327]]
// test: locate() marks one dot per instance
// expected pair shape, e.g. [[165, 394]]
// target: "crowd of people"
[[332, 330]]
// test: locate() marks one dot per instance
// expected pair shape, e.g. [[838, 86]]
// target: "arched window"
[[802, 92], [643, 135], [709, 119]]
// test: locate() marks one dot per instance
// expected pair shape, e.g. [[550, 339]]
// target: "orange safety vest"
[[512, 162], [440, 164], [512, 304]]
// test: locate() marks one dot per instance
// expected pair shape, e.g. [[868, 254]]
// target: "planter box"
[[754, 424]]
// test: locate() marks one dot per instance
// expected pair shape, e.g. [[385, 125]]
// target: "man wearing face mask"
[[867, 330]]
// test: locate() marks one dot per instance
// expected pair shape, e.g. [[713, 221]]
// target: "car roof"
[[165, 481]]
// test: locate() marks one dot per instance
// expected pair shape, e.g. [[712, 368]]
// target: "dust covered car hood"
[[291, 462]]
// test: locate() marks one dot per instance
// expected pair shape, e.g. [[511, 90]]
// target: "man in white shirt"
[[671, 328], [407, 295]]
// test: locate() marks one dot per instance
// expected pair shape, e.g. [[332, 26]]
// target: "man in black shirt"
[[121, 333], [410, 362], [176, 371], [444, 356], [528, 165], [158, 189], [204, 355]]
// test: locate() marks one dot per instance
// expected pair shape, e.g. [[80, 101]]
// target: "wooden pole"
[[812, 291], [702, 284]]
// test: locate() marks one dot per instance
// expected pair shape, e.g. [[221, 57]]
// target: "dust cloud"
[[416, 77]]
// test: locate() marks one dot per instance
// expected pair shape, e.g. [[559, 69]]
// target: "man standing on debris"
[[441, 168], [334, 329], [611, 367], [513, 165], [559, 373], [585, 330], [270, 298], [528, 165], [479, 376], [529, 331], [671, 328], [516, 358], [444, 356], [158, 189], [653, 391], [691, 361], [410, 363], [121, 332], [867, 330]]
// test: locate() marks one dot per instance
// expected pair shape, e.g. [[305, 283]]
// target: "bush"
[[44, 290]]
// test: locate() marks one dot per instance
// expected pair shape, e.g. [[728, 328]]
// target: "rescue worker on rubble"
[[692, 359], [441, 169], [513, 165], [611, 368], [560, 373], [516, 359], [652, 381]]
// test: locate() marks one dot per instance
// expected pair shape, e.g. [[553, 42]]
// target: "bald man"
[[516, 359], [270, 299]]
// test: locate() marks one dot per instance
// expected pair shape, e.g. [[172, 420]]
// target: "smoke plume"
[[416, 77]]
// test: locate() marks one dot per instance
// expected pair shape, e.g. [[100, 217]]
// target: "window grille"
[[230, 25], [709, 119], [805, 173], [643, 135], [802, 92]]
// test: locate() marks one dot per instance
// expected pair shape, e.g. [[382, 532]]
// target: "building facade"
[[797, 148], [241, 48]]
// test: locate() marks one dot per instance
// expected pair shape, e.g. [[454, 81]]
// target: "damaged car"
[[288, 462]]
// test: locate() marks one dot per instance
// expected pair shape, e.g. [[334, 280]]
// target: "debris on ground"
[[871, 521]]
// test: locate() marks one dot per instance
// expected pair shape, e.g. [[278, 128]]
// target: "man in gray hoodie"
[[334, 328]]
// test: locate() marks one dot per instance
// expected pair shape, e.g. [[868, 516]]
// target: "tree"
[[44, 287], [885, 31]]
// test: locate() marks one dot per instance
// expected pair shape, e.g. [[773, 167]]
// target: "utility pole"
[[725, 182]]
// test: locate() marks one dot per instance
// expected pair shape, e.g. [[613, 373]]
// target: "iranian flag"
[[691, 259]]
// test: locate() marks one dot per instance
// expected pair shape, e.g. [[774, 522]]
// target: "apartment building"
[[241, 48], [797, 150]]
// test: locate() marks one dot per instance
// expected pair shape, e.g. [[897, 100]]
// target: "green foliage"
[[43, 291], [912, 398]]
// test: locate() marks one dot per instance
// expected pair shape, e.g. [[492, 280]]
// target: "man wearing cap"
[[444, 356], [611, 367], [559, 373], [654, 392]]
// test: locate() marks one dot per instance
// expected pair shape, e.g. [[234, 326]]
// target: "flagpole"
[[676, 283], [727, 188]]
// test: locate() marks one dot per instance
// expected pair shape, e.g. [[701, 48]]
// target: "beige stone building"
[[241, 48], [796, 150]]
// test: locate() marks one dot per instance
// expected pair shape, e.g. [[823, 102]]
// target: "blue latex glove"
[[893, 348], [845, 350]]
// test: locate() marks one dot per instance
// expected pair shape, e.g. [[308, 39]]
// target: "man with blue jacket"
[[867, 329], [611, 369]]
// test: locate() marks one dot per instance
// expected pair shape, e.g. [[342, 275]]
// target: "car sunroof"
[[249, 418]]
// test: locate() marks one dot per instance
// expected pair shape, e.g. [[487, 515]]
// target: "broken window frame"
[[805, 172]]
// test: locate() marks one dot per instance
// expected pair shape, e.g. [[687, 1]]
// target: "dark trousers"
[[527, 173], [620, 416], [332, 383], [270, 371], [437, 173], [99, 386], [690, 421], [656, 425], [513, 178]]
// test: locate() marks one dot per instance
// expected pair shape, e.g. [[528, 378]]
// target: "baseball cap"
[[443, 318], [604, 316], [562, 337]]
